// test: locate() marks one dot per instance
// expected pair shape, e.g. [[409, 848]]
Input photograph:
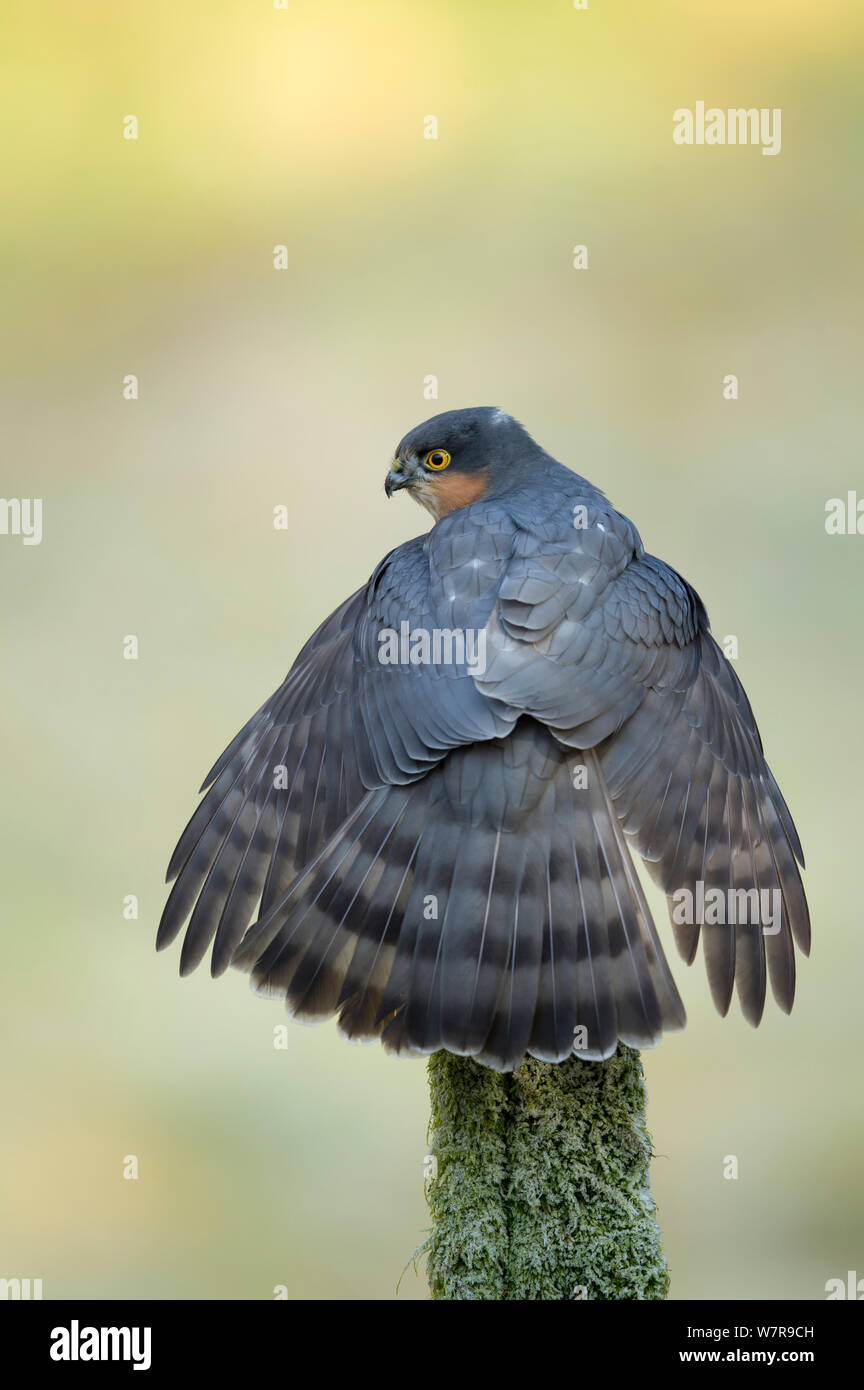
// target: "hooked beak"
[[398, 477]]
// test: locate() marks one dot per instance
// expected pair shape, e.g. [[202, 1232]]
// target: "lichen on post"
[[542, 1188]]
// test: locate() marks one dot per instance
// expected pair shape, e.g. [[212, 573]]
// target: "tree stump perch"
[[542, 1183]]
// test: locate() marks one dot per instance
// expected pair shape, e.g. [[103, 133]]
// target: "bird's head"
[[456, 458]]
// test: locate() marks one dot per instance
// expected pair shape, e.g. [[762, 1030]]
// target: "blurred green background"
[[407, 257]]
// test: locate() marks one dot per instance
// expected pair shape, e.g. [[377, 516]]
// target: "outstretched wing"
[[341, 723], [610, 648], [307, 809]]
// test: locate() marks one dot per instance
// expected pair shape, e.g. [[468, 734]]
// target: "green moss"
[[542, 1187]]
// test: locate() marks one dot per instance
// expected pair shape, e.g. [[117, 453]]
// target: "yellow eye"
[[438, 459]]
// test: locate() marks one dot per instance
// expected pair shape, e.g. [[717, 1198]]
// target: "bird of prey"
[[432, 819]]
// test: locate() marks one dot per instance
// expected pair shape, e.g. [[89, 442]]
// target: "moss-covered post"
[[541, 1189]]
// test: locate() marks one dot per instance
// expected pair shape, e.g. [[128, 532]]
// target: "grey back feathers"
[[439, 854]]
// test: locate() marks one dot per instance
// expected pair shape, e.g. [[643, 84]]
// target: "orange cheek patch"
[[455, 490]]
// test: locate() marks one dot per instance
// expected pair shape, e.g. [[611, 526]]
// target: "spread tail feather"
[[491, 909]]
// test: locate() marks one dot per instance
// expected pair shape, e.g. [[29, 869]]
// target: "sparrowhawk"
[[431, 819]]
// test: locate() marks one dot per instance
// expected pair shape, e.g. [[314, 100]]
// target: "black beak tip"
[[395, 480]]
